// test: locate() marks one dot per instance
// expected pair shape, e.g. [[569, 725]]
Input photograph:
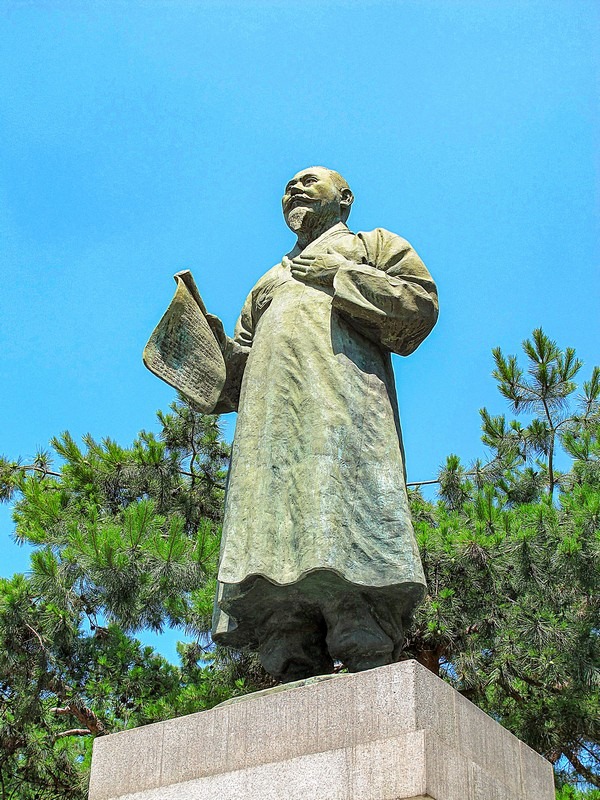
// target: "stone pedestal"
[[387, 734]]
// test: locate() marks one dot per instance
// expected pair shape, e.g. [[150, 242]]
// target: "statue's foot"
[[361, 648], [293, 647], [362, 661], [291, 660], [299, 670], [354, 636]]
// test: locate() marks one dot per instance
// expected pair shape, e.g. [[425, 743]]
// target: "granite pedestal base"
[[393, 733]]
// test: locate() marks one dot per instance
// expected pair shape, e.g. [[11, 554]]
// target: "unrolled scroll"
[[183, 351]]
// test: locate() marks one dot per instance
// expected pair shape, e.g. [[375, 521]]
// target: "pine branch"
[[38, 637], [579, 767], [518, 698], [82, 714], [209, 478], [35, 468]]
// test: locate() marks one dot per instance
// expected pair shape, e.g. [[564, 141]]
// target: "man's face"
[[311, 192]]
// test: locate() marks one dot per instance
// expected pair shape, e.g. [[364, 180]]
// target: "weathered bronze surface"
[[182, 349], [318, 559]]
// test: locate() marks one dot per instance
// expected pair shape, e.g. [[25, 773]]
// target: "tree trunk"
[[430, 659]]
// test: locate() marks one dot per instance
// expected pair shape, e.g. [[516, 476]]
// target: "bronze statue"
[[318, 558]]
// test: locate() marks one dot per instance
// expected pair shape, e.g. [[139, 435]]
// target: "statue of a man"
[[318, 558]]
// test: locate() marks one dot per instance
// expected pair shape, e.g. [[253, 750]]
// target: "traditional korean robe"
[[317, 478]]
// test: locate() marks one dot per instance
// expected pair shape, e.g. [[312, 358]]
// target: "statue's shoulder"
[[382, 237], [382, 246]]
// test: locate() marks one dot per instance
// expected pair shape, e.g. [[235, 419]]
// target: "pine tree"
[[125, 539], [512, 557]]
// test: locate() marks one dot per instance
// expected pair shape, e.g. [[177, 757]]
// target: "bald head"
[[320, 191], [340, 183]]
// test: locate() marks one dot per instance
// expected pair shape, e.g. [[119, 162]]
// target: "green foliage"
[[543, 391], [124, 539], [570, 793], [512, 614], [58, 686], [128, 534]]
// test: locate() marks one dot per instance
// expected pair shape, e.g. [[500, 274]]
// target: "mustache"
[[301, 198]]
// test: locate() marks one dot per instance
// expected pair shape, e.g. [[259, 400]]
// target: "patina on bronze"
[[182, 349], [319, 561]]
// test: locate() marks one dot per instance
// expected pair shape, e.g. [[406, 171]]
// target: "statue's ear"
[[347, 198]]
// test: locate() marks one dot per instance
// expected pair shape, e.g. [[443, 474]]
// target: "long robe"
[[317, 476]]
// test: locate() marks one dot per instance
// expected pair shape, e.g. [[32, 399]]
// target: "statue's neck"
[[313, 229]]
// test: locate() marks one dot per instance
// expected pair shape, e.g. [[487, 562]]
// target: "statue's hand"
[[217, 328], [319, 269]]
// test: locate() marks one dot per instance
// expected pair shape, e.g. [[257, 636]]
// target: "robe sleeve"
[[236, 354], [390, 297]]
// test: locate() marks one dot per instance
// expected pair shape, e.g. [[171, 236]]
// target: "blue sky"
[[142, 138]]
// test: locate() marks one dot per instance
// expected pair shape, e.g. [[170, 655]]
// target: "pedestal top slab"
[[385, 734]]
